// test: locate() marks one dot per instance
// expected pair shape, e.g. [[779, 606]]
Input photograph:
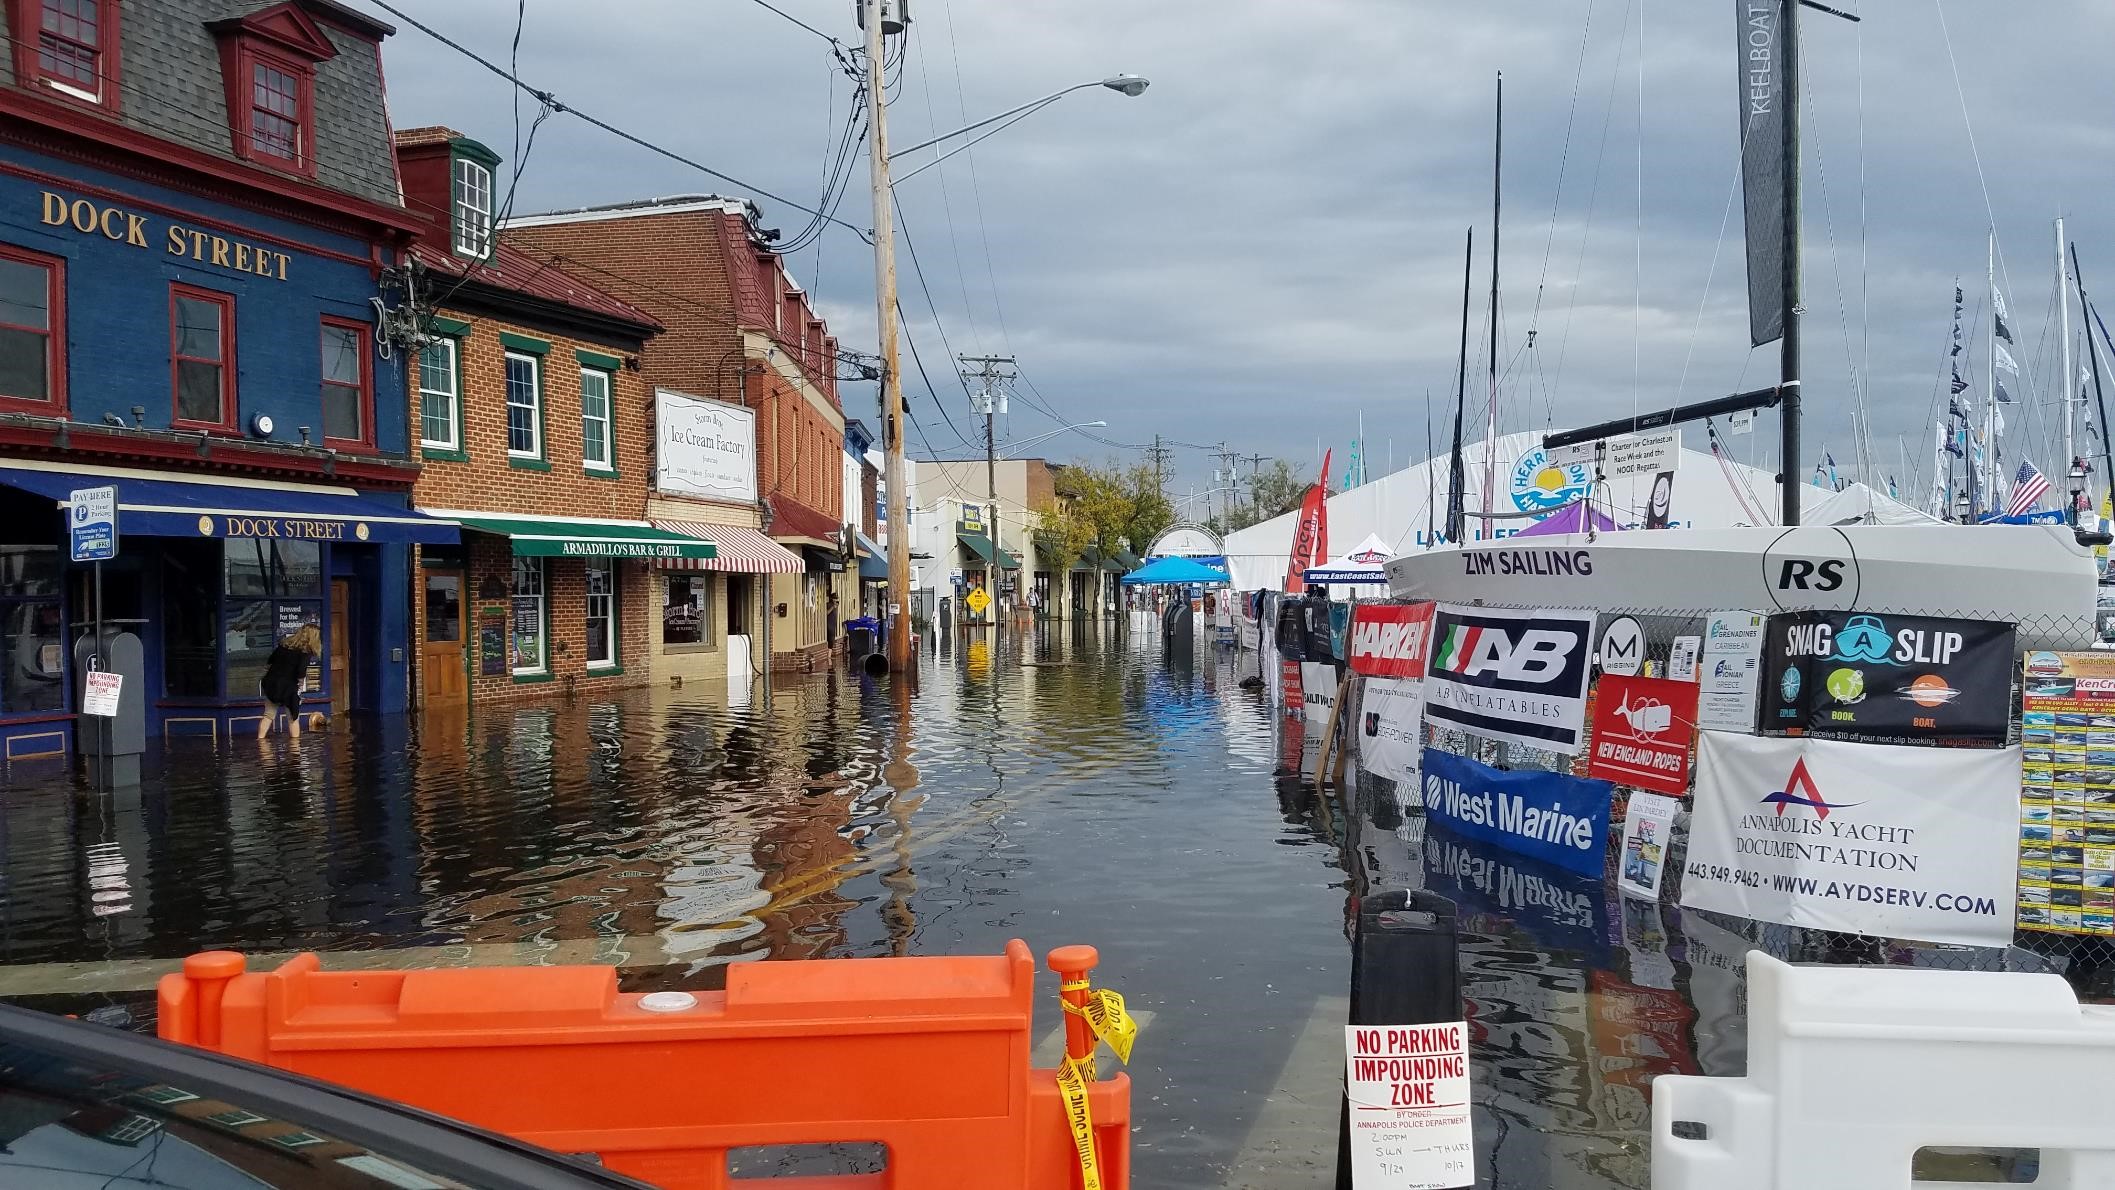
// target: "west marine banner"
[[1518, 676], [1865, 676], [1885, 840], [1547, 816], [1762, 163]]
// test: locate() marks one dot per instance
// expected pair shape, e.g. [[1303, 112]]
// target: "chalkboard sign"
[[492, 641]]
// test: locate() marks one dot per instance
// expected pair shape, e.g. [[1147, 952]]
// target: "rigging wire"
[[1564, 157], [1593, 193]]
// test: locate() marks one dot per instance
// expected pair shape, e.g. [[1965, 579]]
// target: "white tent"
[[1861, 505], [1362, 565], [1406, 510]]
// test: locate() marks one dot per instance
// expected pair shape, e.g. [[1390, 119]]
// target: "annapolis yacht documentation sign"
[[1511, 675], [704, 448]]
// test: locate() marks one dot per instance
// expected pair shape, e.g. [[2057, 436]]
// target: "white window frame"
[[609, 446], [609, 613], [535, 407], [454, 394], [470, 191], [542, 571]]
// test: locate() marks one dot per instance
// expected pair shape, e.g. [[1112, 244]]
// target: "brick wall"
[[488, 600]]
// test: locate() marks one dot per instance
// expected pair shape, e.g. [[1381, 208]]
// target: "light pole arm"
[[976, 140], [1031, 104]]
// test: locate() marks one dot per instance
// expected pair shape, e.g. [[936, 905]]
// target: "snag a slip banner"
[[1547, 816], [1886, 840], [1643, 728], [1869, 676], [1408, 1087], [1511, 675], [1388, 640]]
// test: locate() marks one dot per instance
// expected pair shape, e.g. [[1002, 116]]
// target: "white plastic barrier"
[[1851, 1070]]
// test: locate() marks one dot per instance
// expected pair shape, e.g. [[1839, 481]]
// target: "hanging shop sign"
[[2067, 797], [1731, 670], [1318, 690], [1390, 712], [1643, 731], [970, 519], [1390, 640], [1648, 824], [1885, 840], [1552, 817], [1889, 677], [1518, 676], [704, 448]]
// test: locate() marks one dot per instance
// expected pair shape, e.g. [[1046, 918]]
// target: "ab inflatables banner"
[[1886, 840], [1864, 676], [1552, 817], [1511, 675]]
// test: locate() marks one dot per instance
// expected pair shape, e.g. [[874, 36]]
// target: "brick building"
[[197, 201], [533, 432], [742, 333]]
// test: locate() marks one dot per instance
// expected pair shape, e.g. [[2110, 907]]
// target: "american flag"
[[2028, 487]]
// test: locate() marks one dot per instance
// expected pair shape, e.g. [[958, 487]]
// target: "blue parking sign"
[[91, 522]]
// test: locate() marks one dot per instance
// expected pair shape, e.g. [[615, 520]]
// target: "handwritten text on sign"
[[1409, 1092]]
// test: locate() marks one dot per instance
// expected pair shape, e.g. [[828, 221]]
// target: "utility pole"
[[991, 374], [900, 659], [1255, 465], [1159, 455]]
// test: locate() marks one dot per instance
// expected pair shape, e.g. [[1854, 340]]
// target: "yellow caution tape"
[[1106, 1016], [1074, 1089]]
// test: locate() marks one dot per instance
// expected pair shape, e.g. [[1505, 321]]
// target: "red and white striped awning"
[[744, 551]]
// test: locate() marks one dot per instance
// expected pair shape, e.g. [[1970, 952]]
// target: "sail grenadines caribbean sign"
[[1762, 164]]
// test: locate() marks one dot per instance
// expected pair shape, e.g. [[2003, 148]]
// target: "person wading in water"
[[284, 676]]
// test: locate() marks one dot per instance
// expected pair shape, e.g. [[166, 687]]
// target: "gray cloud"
[[1269, 241]]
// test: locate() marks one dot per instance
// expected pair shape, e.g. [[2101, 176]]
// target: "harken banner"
[[1511, 675], [1390, 640], [1886, 840]]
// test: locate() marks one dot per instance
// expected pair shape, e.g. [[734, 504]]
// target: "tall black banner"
[[1857, 675], [1762, 164]]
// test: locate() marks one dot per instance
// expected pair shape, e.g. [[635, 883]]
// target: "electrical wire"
[[770, 7]]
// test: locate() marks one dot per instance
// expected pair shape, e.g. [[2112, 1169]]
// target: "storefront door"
[[340, 640], [444, 680]]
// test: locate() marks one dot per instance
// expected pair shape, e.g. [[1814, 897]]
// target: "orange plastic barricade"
[[925, 1056]]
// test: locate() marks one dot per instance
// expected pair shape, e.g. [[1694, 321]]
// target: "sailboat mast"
[[1457, 484], [1788, 346], [2070, 381], [1490, 424], [1976, 492], [2100, 397]]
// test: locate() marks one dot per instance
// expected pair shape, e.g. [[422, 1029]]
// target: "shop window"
[[348, 398], [473, 208], [739, 588], [30, 640], [32, 332], [601, 613], [444, 608], [524, 406], [595, 449], [190, 584], [440, 395], [201, 349], [686, 609], [530, 647], [273, 588], [70, 46]]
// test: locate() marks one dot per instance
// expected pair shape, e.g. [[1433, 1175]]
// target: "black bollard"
[[1405, 970]]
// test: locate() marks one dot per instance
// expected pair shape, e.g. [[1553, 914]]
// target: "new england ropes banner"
[[1886, 840], [1547, 816]]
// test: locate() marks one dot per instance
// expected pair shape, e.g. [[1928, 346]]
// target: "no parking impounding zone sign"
[[1409, 1091]]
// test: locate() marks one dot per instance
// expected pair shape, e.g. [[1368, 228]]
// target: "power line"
[[552, 101], [769, 7]]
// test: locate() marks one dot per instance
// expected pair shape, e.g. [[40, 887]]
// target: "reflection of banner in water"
[[1500, 893], [1718, 989]]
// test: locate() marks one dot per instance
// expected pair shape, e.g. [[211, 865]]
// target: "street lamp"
[[1124, 84], [1085, 425]]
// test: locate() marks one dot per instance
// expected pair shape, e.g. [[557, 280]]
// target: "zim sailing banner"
[[1885, 840], [1762, 164], [1509, 675]]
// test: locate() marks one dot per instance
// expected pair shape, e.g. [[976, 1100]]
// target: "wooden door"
[[338, 649], [444, 679]]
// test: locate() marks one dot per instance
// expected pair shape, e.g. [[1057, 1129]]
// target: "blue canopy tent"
[[1182, 571]]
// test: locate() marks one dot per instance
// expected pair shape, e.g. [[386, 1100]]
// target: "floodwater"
[[1069, 787]]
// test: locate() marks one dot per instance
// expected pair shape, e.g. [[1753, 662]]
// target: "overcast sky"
[[1268, 242]]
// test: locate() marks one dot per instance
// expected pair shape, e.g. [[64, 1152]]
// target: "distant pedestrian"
[[830, 620], [285, 675]]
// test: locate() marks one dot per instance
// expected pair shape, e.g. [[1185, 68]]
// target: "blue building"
[[199, 212]]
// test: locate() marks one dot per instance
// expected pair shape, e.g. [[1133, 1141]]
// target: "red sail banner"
[[1310, 546], [1390, 640]]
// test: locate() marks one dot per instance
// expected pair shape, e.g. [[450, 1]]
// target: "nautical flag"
[[2003, 395], [1953, 446], [1819, 477], [1833, 481], [2028, 488], [1958, 297], [2004, 359], [1953, 407], [1997, 303]]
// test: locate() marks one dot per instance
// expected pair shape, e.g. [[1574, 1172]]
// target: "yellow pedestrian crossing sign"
[[978, 600]]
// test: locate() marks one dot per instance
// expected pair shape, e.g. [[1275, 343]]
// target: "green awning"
[[1114, 566], [979, 545], [1089, 559], [1008, 561], [588, 539], [1129, 560]]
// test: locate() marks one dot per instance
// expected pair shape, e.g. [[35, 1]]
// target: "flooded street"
[[1086, 791]]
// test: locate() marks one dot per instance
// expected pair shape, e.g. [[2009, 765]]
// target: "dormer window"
[[68, 47], [268, 64], [276, 125], [473, 208]]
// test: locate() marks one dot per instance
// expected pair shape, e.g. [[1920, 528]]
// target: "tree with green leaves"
[[1271, 492]]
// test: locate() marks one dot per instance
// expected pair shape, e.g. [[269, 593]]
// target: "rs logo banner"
[[1511, 675], [1390, 640]]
